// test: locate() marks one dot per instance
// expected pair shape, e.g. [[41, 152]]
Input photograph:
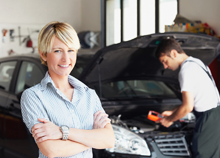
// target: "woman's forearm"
[[95, 138], [61, 148]]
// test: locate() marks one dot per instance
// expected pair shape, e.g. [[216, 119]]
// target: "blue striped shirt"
[[44, 100]]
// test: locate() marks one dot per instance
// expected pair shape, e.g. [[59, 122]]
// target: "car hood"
[[135, 59]]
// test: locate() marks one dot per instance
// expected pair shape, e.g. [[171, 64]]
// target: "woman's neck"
[[61, 82]]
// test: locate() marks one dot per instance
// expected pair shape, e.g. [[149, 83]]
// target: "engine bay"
[[141, 124]]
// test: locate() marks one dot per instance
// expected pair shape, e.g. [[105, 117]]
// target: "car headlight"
[[128, 142]]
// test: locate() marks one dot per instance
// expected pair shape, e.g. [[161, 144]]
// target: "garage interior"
[[28, 17], [100, 24]]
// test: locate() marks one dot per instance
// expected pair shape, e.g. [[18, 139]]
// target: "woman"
[[64, 116]]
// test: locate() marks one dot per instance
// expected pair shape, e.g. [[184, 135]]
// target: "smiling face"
[[61, 60]]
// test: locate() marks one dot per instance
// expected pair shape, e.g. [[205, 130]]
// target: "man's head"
[[170, 54]]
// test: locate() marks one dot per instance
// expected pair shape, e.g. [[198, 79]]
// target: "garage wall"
[[85, 14], [91, 21], [204, 10], [91, 15], [31, 15], [41, 11]]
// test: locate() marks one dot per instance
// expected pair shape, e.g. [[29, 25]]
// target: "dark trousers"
[[206, 137]]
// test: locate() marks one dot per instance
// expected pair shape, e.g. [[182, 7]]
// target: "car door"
[[6, 73], [18, 140]]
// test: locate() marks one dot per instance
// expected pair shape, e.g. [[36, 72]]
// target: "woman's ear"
[[43, 56]]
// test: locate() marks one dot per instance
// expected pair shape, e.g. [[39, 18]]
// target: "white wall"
[[86, 14], [91, 15], [41, 11], [34, 14], [204, 10]]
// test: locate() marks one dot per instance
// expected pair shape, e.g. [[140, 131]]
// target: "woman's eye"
[[57, 51], [71, 51]]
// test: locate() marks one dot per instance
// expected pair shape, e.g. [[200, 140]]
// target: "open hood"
[[135, 59]]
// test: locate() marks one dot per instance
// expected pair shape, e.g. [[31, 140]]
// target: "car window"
[[6, 73], [135, 88], [29, 75]]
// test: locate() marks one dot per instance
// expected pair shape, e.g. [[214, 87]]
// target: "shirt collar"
[[189, 58], [72, 80]]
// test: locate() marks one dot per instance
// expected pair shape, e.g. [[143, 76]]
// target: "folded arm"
[[48, 137], [96, 138], [60, 148]]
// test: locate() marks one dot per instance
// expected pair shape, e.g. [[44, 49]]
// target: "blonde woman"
[[64, 116]]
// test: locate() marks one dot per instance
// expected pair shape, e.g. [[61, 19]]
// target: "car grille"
[[172, 145]]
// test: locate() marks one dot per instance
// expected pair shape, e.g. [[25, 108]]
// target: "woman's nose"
[[65, 56]]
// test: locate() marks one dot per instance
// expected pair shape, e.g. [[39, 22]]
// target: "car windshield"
[[135, 88]]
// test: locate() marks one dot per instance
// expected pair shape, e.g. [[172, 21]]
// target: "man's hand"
[[165, 122], [100, 120], [166, 113], [46, 130]]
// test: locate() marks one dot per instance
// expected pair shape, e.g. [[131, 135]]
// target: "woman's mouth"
[[64, 66]]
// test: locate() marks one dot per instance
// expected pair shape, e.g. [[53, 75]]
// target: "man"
[[199, 94]]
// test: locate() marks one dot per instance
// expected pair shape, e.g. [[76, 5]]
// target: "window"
[[135, 88], [113, 19], [129, 19], [7, 70], [29, 75], [123, 20], [167, 14], [147, 17]]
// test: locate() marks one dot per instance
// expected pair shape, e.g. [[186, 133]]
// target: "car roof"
[[16, 56]]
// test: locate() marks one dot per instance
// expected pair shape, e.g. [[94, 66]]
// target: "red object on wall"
[[29, 43], [215, 70]]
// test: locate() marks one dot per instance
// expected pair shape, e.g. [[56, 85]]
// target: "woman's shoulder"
[[31, 90]]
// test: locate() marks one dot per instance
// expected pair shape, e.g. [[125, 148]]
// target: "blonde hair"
[[63, 31]]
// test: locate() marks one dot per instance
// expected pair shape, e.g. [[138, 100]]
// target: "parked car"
[[16, 74], [129, 80]]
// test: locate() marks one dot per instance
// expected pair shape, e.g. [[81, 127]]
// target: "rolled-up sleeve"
[[32, 109]]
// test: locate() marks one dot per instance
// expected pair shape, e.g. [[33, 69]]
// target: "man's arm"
[[181, 111], [170, 112]]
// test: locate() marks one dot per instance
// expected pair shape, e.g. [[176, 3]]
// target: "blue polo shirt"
[[44, 100]]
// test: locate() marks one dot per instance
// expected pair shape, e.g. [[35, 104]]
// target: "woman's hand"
[[100, 120], [46, 130]]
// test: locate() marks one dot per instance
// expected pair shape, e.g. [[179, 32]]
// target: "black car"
[[129, 80], [18, 73]]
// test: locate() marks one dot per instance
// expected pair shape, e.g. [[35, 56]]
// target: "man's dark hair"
[[165, 47]]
